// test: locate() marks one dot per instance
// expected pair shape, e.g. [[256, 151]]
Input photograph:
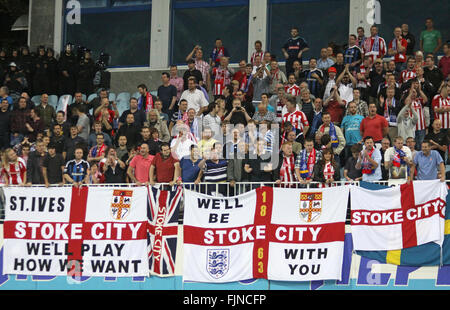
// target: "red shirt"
[[444, 65], [373, 127], [141, 167], [336, 111], [399, 57], [164, 168]]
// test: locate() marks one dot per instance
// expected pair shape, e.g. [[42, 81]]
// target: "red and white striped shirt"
[[297, 119], [222, 77], [15, 172], [294, 90], [418, 106], [287, 171], [254, 55], [406, 75], [370, 50], [440, 102]]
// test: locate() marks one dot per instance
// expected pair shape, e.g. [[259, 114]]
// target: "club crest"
[[218, 262], [121, 204], [310, 206]]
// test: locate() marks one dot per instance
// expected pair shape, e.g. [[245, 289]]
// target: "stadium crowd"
[[377, 108]]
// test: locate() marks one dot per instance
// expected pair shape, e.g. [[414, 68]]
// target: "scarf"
[[388, 115], [397, 161], [217, 53], [366, 165], [307, 164], [375, 46], [148, 103], [96, 151], [333, 136], [328, 171]]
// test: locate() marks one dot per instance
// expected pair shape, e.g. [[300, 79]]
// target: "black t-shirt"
[[166, 94], [195, 73], [53, 165], [440, 138], [375, 81]]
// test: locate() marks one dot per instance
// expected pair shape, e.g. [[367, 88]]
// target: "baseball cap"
[[332, 69]]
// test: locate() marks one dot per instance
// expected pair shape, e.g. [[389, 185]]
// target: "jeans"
[[420, 136]]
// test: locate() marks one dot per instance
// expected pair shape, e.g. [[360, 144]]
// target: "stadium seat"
[[36, 100], [123, 102], [136, 95], [112, 97], [91, 97], [61, 101], [53, 101], [154, 93]]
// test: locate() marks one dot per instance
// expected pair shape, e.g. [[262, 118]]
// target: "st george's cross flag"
[[270, 233], [163, 211], [85, 231], [398, 217]]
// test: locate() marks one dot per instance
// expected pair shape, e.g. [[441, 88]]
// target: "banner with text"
[[399, 217], [86, 231], [270, 233]]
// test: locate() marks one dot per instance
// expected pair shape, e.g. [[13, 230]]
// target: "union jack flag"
[[163, 209]]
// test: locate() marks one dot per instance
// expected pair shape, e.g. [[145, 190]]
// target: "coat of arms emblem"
[[121, 204], [310, 206]]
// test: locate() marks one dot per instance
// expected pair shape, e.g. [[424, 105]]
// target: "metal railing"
[[225, 189]]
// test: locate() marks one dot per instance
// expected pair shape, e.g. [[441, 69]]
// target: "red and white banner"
[[398, 217], [96, 231], [270, 233]]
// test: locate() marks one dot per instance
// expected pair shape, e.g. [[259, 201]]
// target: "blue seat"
[[36, 100], [53, 101], [112, 97], [91, 97], [136, 95], [123, 102]]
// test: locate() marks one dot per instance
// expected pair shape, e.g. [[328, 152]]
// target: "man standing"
[[293, 49], [430, 39], [397, 159], [353, 53], [201, 65], [305, 162], [195, 97], [35, 163], [139, 116], [77, 170], [374, 46], [324, 62], [428, 163], [191, 72], [167, 93], [165, 168], [146, 101], [397, 48], [297, 118], [409, 37], [139, 168], [369, 161], [314, 78], [46, 111], [374, 125], [337, 138], [53, 167], [350, 125], [438, 138]]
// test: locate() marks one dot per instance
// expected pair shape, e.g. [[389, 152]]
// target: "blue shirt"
[[427, 166], [189, 169], [350, 125]]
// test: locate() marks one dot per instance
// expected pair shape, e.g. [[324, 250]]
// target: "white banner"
[[97, 231], [309, 231], [270, 233], [398, 217]]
